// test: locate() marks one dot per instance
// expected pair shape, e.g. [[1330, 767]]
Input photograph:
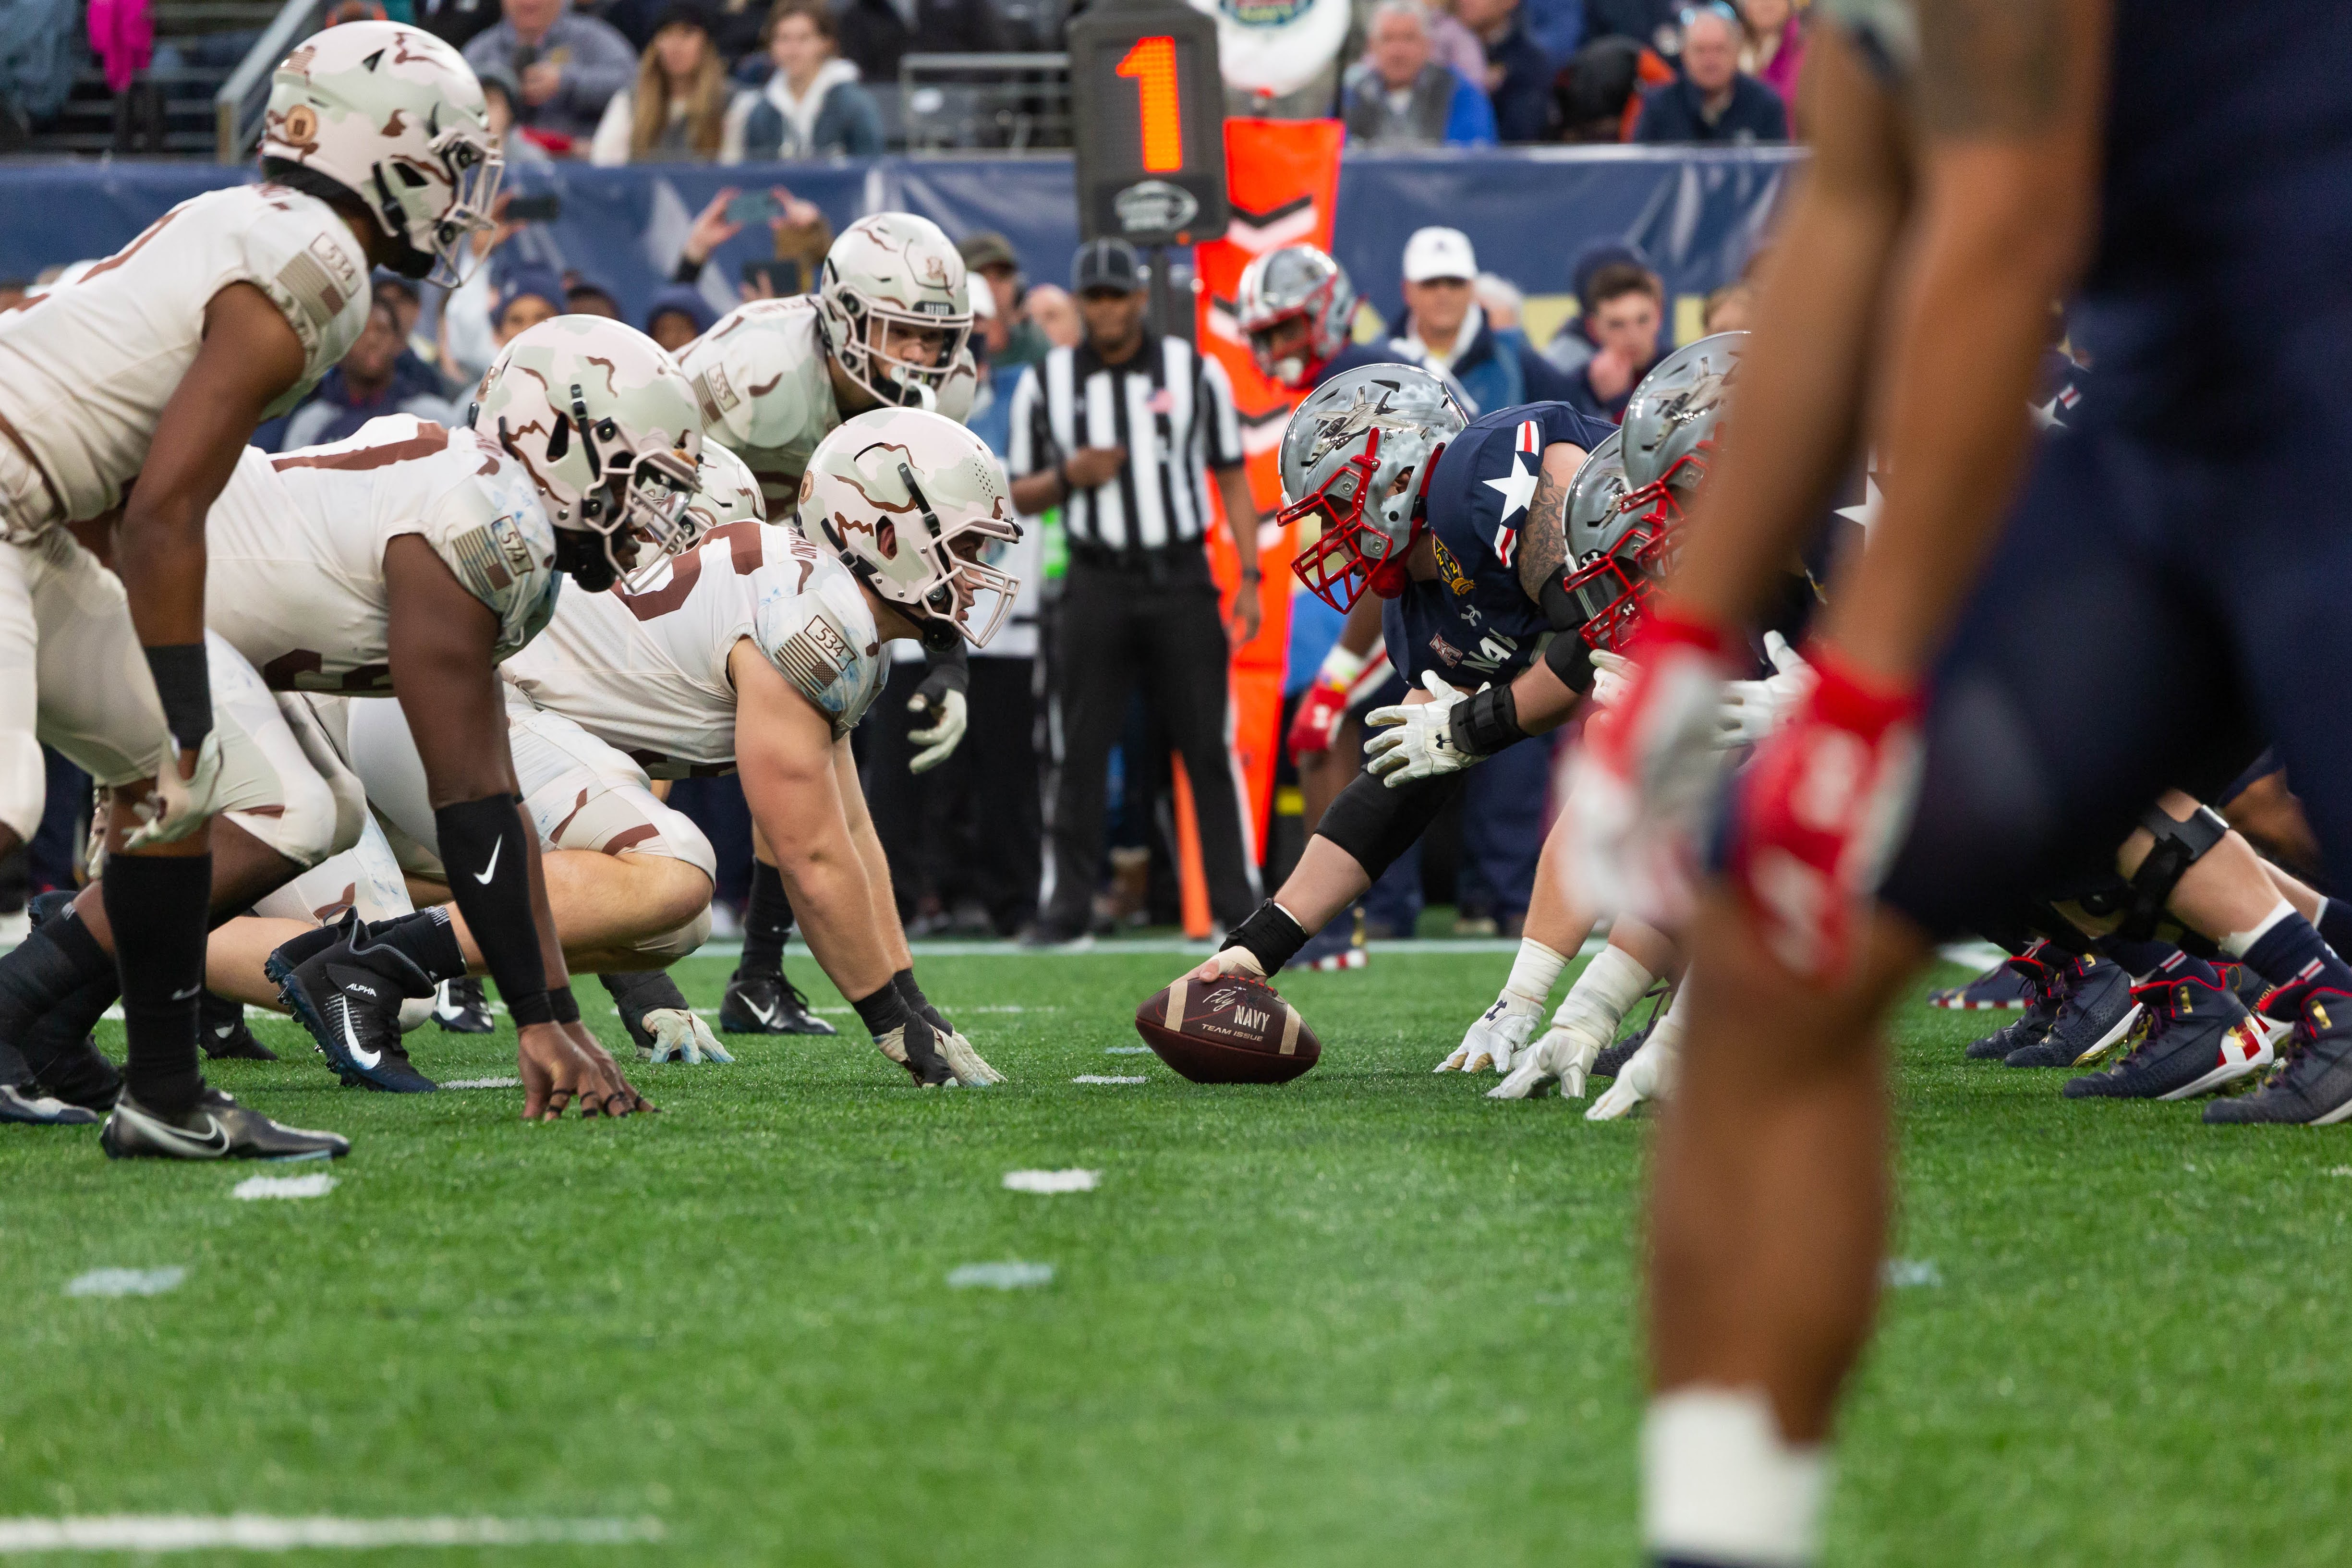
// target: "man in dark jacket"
[[1445, 331], [1714, 101], [875, 33], [1518, 72]]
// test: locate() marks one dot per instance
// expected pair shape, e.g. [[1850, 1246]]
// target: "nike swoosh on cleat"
[[212, 1146], [351, 1043], [486, 872], [765, 1015]]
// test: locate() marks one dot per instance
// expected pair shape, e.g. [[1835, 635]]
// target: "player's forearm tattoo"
[[1992, 67], [1543, 543]]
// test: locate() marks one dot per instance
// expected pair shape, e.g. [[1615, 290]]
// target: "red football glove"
[[1344, 679], [1640, 785], [1820, 811]]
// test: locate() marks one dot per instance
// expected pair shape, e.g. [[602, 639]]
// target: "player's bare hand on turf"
[[561, 1069]]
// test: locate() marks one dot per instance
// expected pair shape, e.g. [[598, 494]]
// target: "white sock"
[[1719, 1484], [2239, 942], [1605, 992], [1535, 971]]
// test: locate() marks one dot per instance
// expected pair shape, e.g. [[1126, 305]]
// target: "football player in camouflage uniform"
[[405, 562], [757, 651], [159, 364], [887, 327]]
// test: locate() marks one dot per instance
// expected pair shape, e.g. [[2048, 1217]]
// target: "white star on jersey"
[[1871, 500], [1518, 488]]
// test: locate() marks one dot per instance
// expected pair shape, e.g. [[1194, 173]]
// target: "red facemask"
[[1338, 567], [1612, 592]]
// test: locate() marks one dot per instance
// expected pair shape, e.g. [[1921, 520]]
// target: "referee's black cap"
[[1107, 264]]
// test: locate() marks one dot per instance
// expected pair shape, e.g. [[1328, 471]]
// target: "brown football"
[[1233, 1030]]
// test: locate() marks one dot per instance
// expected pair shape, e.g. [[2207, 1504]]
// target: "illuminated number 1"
[[1151, 63]]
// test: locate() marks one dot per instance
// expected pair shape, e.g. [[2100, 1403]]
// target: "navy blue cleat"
[[2189, 1040], [2311, 1084], [348, 998], [2002, 988], [2041, 1012], [2095, 1010]]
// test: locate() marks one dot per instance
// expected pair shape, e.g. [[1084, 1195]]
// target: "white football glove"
[[176, 807], [1416, 738], [1613, 673], [1498, 1035], [1650, 1075], [950, 716], [1754, 709], [1566, 1052], [680, 1035]]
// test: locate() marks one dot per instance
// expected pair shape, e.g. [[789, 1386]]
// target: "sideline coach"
[[1123, 433]]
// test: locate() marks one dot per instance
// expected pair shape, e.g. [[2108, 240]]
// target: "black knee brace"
[[2177, 847], [1376, 824]]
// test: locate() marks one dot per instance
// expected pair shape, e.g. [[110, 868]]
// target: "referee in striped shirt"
[[1124, 433]]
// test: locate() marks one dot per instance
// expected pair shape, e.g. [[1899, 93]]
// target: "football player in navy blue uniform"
[[1458, 527], [1296, 308], [1975, 161]]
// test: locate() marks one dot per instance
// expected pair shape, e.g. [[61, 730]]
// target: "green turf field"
[[1368, 1317]]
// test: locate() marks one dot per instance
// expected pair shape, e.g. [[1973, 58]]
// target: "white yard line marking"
[[1001, 1275], [317, 1187], [1072, 1181], [1107, 1077], [482, 1083], [126, 1281], [1126, 1050], [1912, 1273], [266, 1532], [1974, 954]]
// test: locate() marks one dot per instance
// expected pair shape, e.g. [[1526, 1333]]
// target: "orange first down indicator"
[[1151, 63]]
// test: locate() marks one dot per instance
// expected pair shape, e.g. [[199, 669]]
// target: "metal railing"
[[963, 102], [237, 105]]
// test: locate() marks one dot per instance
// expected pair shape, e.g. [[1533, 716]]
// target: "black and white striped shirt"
[[1173, 412]]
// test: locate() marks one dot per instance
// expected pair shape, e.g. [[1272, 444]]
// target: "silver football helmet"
[[1672, 419], [1356, 458], [1614, 554], [1295, 283]]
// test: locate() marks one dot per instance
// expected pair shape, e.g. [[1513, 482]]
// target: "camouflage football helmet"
[[729, 493], [892, 289], [1356, 458], [909, 501], [394, 116], [605, 424]]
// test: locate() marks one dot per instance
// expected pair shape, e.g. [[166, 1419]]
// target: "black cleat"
[[224, 1032], [348, 998], [36, 1109], [463, 1007], [214, 1128], [2041, 1012], [1612, 1060], [767, 1003], [2187, 1043], [2095, 1010]]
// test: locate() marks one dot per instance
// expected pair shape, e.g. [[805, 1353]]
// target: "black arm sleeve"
[[1565, 656], [948, 670], [488, 864]]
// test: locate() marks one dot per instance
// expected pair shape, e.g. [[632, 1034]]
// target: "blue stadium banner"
[[1696, 214]]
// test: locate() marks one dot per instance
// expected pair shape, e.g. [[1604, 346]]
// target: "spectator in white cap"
[[1402, 96], [1445, 330]]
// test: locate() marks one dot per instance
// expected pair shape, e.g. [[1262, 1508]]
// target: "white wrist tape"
[[1535, 971]]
